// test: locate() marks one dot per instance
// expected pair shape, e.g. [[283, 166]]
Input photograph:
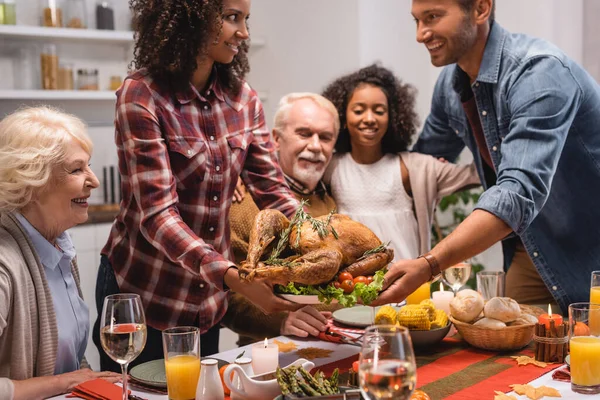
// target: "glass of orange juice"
[[181, 346], [423, 292], [595, 288], [595, 299], [584, 348]]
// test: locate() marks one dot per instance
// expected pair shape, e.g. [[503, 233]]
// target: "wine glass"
[[123, 330], [386, 366], [457, 275]]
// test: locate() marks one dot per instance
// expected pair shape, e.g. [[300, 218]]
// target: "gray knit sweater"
[[28, 331]]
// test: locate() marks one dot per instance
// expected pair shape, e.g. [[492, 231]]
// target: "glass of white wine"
[[387, 367], [123, 330], [457, 275]]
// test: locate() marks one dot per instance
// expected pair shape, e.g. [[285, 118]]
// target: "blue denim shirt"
[[540, 113]]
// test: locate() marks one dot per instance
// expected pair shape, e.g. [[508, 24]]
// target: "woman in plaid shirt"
[[187, 126]]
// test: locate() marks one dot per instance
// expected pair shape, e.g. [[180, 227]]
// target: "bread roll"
[[490, 323], [466, 306], [524, 319], [503, 309]]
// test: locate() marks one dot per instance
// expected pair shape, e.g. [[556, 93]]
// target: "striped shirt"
[[180, 154]]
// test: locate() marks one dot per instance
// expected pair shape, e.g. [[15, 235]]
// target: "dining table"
[[451, 369]]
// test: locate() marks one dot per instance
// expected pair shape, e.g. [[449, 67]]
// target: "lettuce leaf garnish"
[[327, 292]]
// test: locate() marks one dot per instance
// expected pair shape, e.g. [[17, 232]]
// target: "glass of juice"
[[181, 346], [595, 299], [595, 288], [423, 292], [584, 346]]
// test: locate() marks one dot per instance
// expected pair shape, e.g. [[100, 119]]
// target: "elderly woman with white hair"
[[45, 182]]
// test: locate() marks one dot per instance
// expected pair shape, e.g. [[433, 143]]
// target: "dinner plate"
[[304, 299], [153, 373], [568, 360], [358, 316]]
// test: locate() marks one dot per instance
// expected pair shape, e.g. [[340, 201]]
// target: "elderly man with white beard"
[[305, 130]]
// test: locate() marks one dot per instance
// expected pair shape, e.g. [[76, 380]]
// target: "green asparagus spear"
[[312, 381], [308, 390], [294, 387], [282, 381], [334, 380]]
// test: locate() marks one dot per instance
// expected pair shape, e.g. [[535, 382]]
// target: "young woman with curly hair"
[[373, 178], [187, 126]]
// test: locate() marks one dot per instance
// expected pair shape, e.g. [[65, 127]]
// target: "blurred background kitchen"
[[73, 54]]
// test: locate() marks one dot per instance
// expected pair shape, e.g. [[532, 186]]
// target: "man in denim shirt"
[[531, 118]]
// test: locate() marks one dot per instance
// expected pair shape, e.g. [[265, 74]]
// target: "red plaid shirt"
[[180, 154]]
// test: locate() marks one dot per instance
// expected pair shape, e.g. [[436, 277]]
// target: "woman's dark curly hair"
[[403, 119], [169, 35]]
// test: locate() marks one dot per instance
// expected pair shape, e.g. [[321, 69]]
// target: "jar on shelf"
[[51, 13], [65, 76], [8, 12], [105, 15], [49, 64], [87, 79], [115, 83], [75, 13], [24, 69]]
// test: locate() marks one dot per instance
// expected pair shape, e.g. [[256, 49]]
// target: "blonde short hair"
[[32, 142], [287, 101]]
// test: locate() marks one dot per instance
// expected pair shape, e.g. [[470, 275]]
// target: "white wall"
[[309, 43]]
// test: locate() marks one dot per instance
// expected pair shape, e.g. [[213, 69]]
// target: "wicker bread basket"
[[502, 339]]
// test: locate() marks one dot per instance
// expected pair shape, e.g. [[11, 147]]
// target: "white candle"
[[442, 299], [265, 357]]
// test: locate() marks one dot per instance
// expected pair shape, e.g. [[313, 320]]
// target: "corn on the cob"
[[386, 316], [414, 318], [440, 321], [430, 307]]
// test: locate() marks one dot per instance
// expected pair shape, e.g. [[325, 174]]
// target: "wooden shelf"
[[28, 32], [57, 95], [66, 34], [49, 95]]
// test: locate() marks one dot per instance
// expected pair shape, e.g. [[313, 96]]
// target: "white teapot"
[[258, 387]]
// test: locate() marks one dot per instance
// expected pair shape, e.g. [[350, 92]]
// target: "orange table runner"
[[454, 370]]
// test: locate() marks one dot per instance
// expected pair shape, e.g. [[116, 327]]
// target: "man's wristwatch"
[[436, 273]]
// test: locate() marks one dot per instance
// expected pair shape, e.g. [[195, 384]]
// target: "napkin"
[[97, 389], [562, 374], [338, 334]]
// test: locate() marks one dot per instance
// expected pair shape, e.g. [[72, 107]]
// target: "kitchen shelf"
[[57, 95], [69, 95], [66, 34], [29, 32]]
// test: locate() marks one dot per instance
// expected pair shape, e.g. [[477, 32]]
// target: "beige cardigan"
[[28, 331], [430, 180]]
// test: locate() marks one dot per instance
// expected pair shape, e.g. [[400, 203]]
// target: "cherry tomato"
[[347, 286], [344, 276], [360, 279], [369, 279], [336, 284]]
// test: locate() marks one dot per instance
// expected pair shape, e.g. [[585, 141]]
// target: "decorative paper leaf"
[[285, 347], [524, 360], [535, 393], [519, 389], [502, 396], [548, 391]]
